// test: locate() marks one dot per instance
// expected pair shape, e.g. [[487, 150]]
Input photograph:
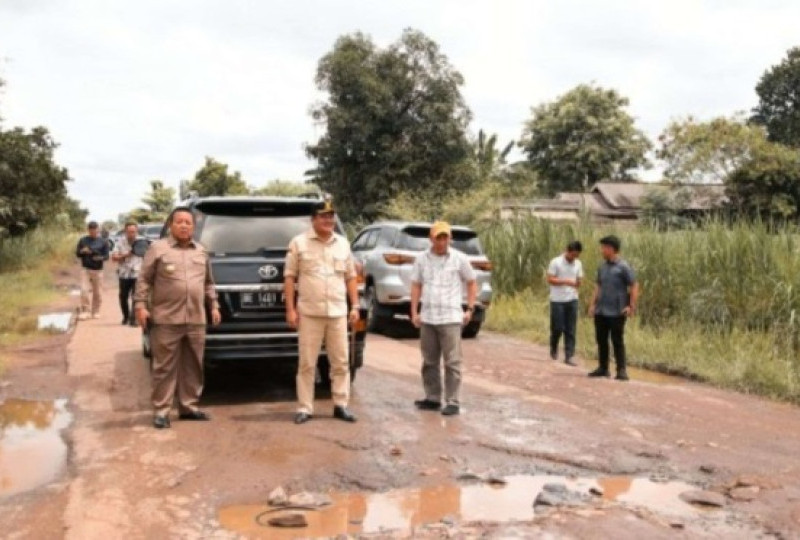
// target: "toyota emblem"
[[268, 271]]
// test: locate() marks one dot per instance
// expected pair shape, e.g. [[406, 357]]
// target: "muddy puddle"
[[32, 452], [402, 510], [55, 322]]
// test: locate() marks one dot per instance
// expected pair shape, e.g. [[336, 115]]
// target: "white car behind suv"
[[387, 251]]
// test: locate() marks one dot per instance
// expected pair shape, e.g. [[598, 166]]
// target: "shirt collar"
[[173, 242], [312, 235]]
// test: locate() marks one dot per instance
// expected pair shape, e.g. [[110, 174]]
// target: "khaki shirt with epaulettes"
[[322, 269], [177, 282]]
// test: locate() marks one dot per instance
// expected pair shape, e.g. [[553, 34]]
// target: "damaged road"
[[539, 448]]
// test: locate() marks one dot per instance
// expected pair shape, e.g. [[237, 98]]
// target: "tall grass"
[[721, 303], [27, 264]]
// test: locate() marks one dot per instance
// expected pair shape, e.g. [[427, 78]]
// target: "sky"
[[135, 91]]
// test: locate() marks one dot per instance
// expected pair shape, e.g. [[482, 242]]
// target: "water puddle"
[[32, 452], [402, 510], [55, 322]]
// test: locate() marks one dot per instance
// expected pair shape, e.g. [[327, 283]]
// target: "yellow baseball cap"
[[439, 228]]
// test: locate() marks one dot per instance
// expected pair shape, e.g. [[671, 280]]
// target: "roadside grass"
[[27, 265], [720, 304]]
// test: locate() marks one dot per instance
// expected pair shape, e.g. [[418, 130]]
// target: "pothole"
[[405, 509], [32, 452], [55, 322]]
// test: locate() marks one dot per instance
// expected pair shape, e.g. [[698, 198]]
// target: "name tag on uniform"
[[169, 268]]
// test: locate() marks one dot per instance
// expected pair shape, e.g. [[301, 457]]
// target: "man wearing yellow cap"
[[438, 281], [321, 272]]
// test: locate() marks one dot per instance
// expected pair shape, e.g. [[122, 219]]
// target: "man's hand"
[[467, 318], [216, 317], [591, 310], [293, 319], [85, 250], [416, 320], [629, 311], [354, 316], [142, 316]]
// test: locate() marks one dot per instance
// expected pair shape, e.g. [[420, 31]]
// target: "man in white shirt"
[[440, 277], [128, 266], [564, 275]]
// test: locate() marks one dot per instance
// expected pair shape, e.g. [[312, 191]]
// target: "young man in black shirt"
[[92, 250]]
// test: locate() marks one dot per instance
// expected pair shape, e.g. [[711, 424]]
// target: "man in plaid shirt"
[[128, 266], [438, 280]]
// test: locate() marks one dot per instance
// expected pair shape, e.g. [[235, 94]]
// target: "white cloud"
[[143, 90]]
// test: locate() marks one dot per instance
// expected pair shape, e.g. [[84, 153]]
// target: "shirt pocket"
[[170, 267], [197, 266], [308, 261], [340, 265]]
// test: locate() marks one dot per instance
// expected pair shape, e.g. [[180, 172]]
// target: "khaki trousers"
[[313, 332], [177, 366], [91, 290], [441, 341]]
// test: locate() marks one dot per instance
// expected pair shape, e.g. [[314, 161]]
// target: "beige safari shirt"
[[322, 270], [177, 282]]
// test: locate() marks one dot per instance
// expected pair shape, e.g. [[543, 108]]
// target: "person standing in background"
[[128, 266], [92, 250], [613, 302], [564, 275]]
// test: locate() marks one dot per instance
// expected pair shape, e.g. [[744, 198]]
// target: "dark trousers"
[[563, 321], [613, 327], [126, 289]]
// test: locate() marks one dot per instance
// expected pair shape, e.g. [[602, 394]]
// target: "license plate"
[[262, 299]]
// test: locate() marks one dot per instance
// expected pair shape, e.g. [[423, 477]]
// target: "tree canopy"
[[394, 121], [158, 204], [768, 184], [708, 152], [583, 137], [213, 178], [778, 106]]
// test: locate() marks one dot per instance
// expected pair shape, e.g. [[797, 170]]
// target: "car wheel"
[[471, 330], [375, 323]]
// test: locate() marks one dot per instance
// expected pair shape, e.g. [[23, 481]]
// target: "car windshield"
[[250, 228], [152, 230], [417, 239]]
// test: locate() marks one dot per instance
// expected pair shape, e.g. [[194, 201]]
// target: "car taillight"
[[398, 259], [485, 266]]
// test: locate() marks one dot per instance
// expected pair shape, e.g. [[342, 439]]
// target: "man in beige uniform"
[[320, 263], [176, 278]]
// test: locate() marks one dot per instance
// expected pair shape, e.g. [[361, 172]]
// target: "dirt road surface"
[[622, 456]]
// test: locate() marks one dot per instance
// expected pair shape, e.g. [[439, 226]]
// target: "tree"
[[213, 179], [161, 198], [285, 188], [661, 208], [394, 121], [583, 137], [768, 184], [158, 204], [33, 187], [779, 100], [490, 160], [708, 152]]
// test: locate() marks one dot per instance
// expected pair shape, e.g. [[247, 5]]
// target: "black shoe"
[[125, 321], [451, 410], [195, 415], [622, 375], [600, 372], [161, 422], [342, 413], [570, 362], [554, 356], [427, 405], [133, 323], [302, 418]]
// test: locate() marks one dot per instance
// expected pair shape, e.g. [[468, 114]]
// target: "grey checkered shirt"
[[442, 278]]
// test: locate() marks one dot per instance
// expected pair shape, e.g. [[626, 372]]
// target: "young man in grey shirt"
[[438, 280], [614, 300], [564, 275]]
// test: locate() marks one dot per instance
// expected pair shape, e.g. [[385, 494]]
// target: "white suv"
[[387, 251]]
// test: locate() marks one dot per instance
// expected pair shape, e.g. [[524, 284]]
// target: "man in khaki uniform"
[[176, 279], [320, 263]]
